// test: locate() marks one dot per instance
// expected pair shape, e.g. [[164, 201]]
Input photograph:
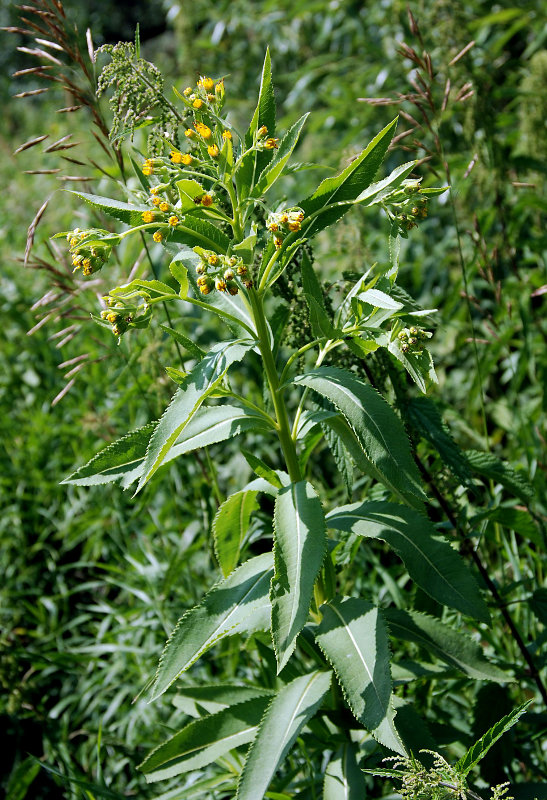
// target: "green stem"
[[283, 425], [236, 222]]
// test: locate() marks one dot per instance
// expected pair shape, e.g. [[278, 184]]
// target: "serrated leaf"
[[345, 187], [188, 189], [254, 163], [261, 468], [230, 527], [377, 428], [453, 647], [481, 748], [142, 288], [124, 459], [300, 543], [425, 417], [274, 169], [430, 560], [205, 740], [354, 638], [238, 604], [341, 456], [378, 299], [201, 381], [197, 232], [125, 212], [490, 466], [194, 349], [320, 321], [287, 714], [193, 699], [343, 778]]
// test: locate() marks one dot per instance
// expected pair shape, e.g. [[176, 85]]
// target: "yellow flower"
[[154, 190], [186, 159], [220, 283], [173, 221], [206, 200], [213, 259], [147, 169], [294, 226], [278, 242], [213, 151], [156, 201], [190, 133], [211, 98], [148, 216], [164, 206], [262, 131], [271, 144], [197, 103], [158, 236], [227, 135], [187, 91], [207, 83], [175, 157], [203, 130]]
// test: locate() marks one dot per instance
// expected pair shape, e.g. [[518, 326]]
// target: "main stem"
[[282, 418]]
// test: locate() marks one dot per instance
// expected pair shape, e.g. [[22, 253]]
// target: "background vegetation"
[[94, 581]]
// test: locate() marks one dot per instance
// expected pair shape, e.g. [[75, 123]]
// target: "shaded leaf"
[[490, 466], [230, 527], [481, 748], [343, 778], [353, 636]]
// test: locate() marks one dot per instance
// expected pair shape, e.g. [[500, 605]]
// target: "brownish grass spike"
[[30, 143], [462, 52], [31, 93], [68, 109], [40, 171], [74, 161], [32, 229]]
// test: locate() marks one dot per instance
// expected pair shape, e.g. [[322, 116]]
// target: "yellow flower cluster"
[[284, 222], [228, 273]]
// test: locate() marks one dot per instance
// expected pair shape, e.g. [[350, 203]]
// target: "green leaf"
[[287, 714], [341, 456], [490, 466], [124, 459], [238, 604], [376, 192], [192, 700], [125, 212], [230, 527], [141, 288], [205, 740], [274, 169], [344, 188], [320, 322], [418, 365], [481, 748], [201, 381], [453, 647], [21, 778], [425, 417], [300, 543], [194, 349], [353, 637], [180, 273], [261, 468], [377, 428], [430, 560], [254, 163], [343, 778], [197, 232], [188, 189]]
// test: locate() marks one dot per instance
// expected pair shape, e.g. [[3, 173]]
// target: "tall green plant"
[[319, 657]]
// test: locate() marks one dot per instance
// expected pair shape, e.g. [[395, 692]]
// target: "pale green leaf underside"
[[238, 604], [299, 548], [430, 560], [193, 700], [353, 636], [343, 778], [287, 714], [125, 212], [199, 383], [453, 647], [204, 740], [377, 428]]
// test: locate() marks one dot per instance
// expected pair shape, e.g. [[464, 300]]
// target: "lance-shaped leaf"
[[253, 163], [481, 748], [123, 460], [192, 700], [343, 778], [334, 196], [353, 636], [424, 415], [274, 169], [376, 426], [453, 647], [125, 212], [490, 466], [430, 560], [287, 714], [199, 383], [152, 289], [376, 192], [300, 542], [230, 527], [238, 604], [204, 740]]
